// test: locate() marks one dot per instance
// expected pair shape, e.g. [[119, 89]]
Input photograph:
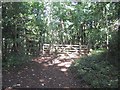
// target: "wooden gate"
[[62, 49]]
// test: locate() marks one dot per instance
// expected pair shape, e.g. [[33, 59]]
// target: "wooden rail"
[[59, 48]]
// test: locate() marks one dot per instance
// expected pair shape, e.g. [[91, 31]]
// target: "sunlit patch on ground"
[[65, 64], [45, 71], [41, 80], [56, 61], [63, 69], [46, 65], [62, 61]]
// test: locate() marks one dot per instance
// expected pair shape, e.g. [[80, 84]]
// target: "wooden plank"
[[65, 48]]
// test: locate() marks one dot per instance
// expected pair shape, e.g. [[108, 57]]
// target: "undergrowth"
[[14, 60], [96, 70]]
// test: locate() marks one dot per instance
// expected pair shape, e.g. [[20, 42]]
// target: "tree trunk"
[[81, 36]]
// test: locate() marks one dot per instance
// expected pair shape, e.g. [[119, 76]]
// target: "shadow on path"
[[44, 72]]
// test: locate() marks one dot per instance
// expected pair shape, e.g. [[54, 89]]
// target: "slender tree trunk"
[[84, 26], [4, 48], [82, 38], [62, 30], [15, 44]]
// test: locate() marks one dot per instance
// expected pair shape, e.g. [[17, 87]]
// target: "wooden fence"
[[59, 48]]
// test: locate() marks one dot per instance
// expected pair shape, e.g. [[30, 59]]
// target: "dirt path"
[[44, 72]]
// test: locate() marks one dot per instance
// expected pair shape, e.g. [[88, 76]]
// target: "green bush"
[[96, 70], [14, 59], [114, 48]]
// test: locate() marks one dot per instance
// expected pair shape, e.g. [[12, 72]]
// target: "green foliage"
[[114, 47], [96, 71], [15, 60], [29, 25]]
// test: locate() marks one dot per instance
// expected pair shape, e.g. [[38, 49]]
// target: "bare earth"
[[44, 72]]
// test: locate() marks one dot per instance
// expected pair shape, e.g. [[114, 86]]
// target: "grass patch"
[[96, 70]]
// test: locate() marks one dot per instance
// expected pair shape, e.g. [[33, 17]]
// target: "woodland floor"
[[44, 72]]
